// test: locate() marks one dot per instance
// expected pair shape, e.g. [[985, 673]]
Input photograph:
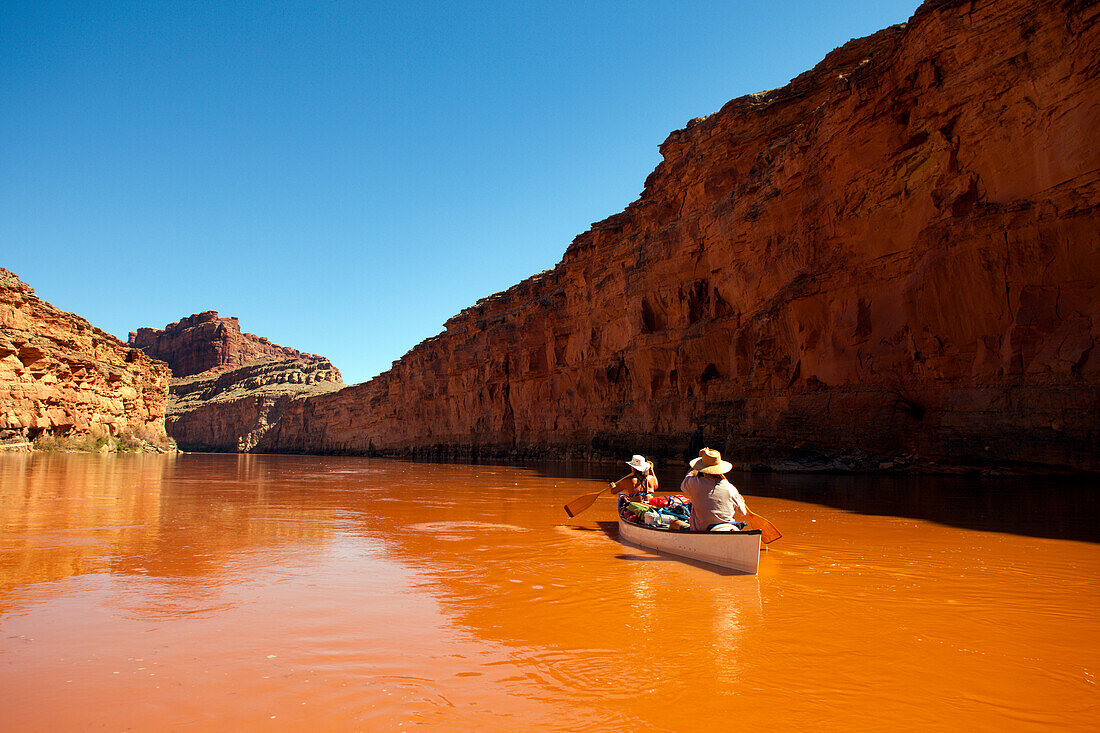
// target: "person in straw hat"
[[715, 502], [640, 484]]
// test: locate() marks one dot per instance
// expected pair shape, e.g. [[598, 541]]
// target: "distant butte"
[[204, 341], [229, 387]]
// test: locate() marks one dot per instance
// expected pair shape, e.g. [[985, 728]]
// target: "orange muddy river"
[[285, 593]]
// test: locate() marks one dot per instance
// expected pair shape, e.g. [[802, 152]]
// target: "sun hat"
[[639, 463], [710, 461]]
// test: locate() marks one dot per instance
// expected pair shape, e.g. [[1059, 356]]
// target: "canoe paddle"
[[768, 532], [581, 503]]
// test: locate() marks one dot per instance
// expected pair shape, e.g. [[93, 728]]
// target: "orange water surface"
[[287, 593]]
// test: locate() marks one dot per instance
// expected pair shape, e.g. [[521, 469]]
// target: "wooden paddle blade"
[[768, 531], [581, 503]]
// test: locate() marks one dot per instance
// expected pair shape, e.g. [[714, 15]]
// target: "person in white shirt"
[[640, 484], [716, 505]]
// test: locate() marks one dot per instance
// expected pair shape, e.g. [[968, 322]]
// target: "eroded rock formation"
[[893, 260], [229, 387], [233, 410], [62, 377], [203, 342]]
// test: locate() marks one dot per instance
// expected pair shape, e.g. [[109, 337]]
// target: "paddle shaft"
[[581, 503]]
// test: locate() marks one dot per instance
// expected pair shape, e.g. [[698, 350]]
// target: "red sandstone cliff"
[[895, 258], [229, 387], [203, 341], [60, 376], [233, 410]]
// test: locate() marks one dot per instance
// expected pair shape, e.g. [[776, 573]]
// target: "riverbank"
[[89, 443], [127, 443], [802, 461]]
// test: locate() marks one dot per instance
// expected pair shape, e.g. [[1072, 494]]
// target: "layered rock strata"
[[204, 341], [62, 377], [894, 260], [233, 411]]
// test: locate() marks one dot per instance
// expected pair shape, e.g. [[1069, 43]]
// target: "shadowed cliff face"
[[60, 376], [894, 260]]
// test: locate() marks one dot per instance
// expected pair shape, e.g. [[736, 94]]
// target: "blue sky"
[[344, 177]]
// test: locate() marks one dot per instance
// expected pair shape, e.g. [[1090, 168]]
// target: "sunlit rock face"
[[204, 341], [892, 261], [62, 377], [229, 387], [233, 410]]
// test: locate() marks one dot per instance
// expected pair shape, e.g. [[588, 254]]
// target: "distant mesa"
[[204, 342], [235, 410], [229, 388]]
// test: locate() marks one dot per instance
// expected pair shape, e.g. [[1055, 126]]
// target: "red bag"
[[658, 501]]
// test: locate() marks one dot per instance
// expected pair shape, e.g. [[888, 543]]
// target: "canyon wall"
[[228, 387], [893, 261], [62, 377], [233, 410], [204, 341]]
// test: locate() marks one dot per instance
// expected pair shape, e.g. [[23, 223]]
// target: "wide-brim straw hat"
[[710, 461], [639, 463]]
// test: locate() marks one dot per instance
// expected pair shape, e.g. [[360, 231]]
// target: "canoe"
[[734, 550]]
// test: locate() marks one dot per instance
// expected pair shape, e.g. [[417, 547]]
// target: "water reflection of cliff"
[[65, 515], [1055, 507]]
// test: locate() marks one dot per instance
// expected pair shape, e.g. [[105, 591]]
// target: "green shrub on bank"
[[70, 443], [131, 441]]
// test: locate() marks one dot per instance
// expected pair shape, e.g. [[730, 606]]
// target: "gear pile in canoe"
[[668, 512]]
